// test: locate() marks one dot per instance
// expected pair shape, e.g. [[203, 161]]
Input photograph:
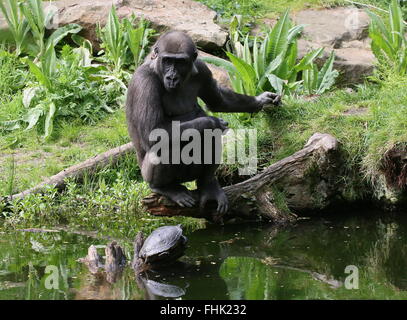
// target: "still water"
[[342, 258]]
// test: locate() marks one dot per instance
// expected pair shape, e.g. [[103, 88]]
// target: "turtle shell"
[[162, 240]]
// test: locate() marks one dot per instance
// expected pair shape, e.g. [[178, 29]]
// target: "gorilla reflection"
[[164, 89]]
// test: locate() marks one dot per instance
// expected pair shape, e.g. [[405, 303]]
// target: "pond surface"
[[308, 261]]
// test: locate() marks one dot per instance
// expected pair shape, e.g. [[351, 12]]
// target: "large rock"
[[343, 30], [185, 15]]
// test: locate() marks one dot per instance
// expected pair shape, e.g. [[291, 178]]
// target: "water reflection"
[[307, 261]]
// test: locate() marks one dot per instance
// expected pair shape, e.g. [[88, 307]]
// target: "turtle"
[[164, 244]]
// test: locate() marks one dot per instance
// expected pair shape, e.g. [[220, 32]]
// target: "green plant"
[[28, 19], [37, 20], [69, 87], [46, 68], [270, 64], [16, 22], [389, 43], [113, 39], [137, 39], [317, 82], [121, 40]]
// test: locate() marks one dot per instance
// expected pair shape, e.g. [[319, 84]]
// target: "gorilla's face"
[[175, 69]]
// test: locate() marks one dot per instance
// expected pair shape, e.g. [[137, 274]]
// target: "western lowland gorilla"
[[165, 89]]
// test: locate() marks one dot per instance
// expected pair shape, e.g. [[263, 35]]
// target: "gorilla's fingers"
[[225, 123], [180, 203], [190, 202], [222, 206]]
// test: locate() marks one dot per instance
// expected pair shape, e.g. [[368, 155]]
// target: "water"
[[307, 261]]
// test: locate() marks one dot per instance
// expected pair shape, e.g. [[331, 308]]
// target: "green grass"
[[367, 123], [72, 143], [253, 10]]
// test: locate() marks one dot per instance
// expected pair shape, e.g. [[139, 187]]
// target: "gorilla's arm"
[[220, 99], [145, 112]]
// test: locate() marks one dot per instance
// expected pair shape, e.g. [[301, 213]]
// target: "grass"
[[256, 10], [252, 9], [108, 202], [367, 123], [72, 143]]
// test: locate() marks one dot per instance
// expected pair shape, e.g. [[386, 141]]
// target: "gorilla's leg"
[[210, 190], [166, 179]]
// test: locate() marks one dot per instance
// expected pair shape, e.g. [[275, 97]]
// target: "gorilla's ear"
[[155, 53], [194, 68]]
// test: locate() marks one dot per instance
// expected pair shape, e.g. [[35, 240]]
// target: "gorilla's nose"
[[172, 78], [172, 81]]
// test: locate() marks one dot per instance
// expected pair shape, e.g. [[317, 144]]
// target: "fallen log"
[[93, 261], [306, 178], [78, 171], [115, 262]]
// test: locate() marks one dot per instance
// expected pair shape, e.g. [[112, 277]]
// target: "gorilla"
[[163, 91]]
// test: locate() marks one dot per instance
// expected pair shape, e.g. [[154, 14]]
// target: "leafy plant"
[[37, 20], [137, 39], [16, 21], [69, 87], [317, 82], [28, 19], [389, 43], [270, 63], [113, 39], [121, 40], [46, 69]]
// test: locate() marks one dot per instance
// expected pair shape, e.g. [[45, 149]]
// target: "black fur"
[[165, 88]]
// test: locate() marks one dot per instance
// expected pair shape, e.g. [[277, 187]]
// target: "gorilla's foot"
[[177, 193], [213, 192]]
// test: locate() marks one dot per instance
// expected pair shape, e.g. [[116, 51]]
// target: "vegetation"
[[389, 42], [271, 63], [124, 45], [252, 9], [71, 84], [60, 106]]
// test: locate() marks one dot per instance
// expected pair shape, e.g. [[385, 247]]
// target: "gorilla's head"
[[175, 54]]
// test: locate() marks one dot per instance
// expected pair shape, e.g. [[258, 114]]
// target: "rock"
[[332, 27], [185, 15], [189, 16], [355, 64], [343, 30]]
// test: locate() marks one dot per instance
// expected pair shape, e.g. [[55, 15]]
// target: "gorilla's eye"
[[181, 61]]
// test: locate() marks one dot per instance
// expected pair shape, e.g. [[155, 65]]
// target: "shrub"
[[389, 43], [270, 63], [124, 44]]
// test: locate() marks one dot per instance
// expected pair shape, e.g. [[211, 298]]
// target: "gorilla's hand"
[[269, 98], [218, 123]]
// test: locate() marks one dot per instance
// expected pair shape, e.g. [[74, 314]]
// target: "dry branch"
[[78, 171]]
